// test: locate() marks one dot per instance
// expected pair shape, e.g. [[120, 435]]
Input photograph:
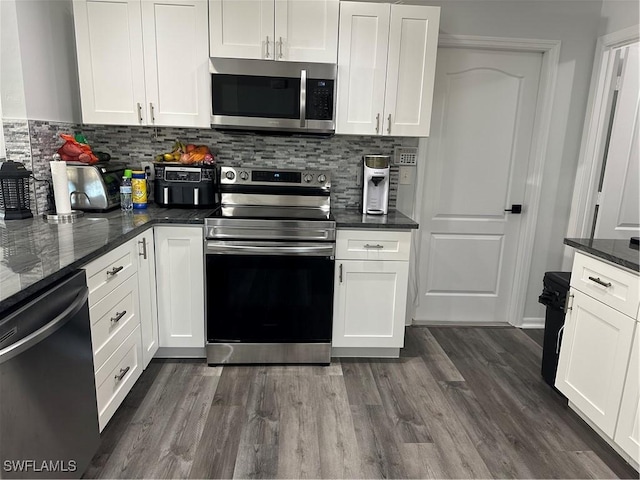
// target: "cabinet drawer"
[[113, 319], [611, 285], [372, 245], [109, 271], [116, 377]]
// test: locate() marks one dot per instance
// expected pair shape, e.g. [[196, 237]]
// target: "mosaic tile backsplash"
[[341, 155]]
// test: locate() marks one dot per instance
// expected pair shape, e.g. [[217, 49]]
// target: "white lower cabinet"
[[628, 430], [593, 359], [180, 286], [147, 293], [372, 271], [598, 367]]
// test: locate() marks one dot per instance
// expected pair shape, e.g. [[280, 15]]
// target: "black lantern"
[[14, 191]]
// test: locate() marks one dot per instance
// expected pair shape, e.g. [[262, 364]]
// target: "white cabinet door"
[[628, 428], [306, 31], [176, 62], [110, 61], [411, 64], [241, 29], [145, 252], [180, 286], [593, 359], [362, 67], [369, 303]]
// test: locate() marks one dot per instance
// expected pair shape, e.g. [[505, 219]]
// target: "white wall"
[[11, 82], [618, 15], [49, 67], [575, 24]]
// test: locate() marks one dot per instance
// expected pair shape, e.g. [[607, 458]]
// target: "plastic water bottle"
[[126, 199]]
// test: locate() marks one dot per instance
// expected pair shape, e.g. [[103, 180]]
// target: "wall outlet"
[[406, 175], [405, 155], [149, 170]]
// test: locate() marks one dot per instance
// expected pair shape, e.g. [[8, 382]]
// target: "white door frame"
[[550, 50], [596, 122]]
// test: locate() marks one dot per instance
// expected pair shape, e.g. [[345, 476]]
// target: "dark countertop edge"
[[576, 243], [17, 299], [37, 288]]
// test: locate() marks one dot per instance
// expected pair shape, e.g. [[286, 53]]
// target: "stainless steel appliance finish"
[[273, 96], [48, 410], [270, 267], [95, 187]]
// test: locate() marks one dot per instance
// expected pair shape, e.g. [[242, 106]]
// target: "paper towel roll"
[[60, 187]]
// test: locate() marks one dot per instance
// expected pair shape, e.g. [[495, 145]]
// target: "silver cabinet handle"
[[143, 242], [114, 270], [303, 98], [376, 246], [153, 115], [566, 303], [378, 123], [118, 316], [600, 282], [139, 113], [280, 55], [558, 339], [340, 274], [123, 372], [266, 55], [389, 126]]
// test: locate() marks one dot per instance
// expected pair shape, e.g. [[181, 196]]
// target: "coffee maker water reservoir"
[[375, 197]]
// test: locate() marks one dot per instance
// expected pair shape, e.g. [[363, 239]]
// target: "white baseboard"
[[441, 323], [532, 322]]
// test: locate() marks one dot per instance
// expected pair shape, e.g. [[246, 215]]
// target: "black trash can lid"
[[557, 280]]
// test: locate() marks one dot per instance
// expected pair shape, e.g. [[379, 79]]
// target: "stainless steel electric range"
[[270, 268]]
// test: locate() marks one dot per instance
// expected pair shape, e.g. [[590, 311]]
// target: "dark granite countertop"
[[351, 218], [615, 251], [36, 254]]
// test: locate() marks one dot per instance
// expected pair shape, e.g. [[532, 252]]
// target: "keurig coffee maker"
[[375, 197]]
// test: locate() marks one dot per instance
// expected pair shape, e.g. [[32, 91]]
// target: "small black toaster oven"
[[178, 185]]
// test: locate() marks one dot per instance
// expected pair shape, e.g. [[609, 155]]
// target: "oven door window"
[[258, 299], [253, 96]]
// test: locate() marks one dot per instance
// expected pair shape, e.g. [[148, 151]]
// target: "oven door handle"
[[229, 248]]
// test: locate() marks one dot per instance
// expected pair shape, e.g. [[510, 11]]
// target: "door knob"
[[515, 208]]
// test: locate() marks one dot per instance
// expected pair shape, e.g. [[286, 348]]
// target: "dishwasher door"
[[48, 408]]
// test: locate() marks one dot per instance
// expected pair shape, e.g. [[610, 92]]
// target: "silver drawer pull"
[[377, 246], [114, 270], [600, 282], [118, 316], [123, 372]]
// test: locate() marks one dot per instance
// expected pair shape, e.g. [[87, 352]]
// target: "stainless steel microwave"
[[273, 96]]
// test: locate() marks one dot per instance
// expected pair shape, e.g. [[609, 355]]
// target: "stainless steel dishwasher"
[[48, 409]]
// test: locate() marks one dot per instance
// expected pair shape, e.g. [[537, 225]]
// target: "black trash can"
[[554, 296]]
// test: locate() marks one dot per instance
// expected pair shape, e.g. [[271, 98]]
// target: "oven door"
[[269, 292]]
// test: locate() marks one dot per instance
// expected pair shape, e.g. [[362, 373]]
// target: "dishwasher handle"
[[47, 330]]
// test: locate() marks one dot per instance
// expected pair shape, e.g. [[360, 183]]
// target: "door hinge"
[[618, 84], [598, 198]]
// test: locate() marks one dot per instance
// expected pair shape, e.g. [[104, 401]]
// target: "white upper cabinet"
[[143, 62], [282, 30], [110, 63], [386, 68]]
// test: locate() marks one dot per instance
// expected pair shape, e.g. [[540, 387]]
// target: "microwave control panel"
[[319, 99]]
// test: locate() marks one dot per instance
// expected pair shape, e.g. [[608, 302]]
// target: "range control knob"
[[244, 175], [308, 178], [230, 175], [322, 178]]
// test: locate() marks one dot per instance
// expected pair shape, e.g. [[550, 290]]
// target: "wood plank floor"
[[459, 403]]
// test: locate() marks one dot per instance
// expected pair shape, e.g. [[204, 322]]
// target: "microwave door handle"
[[303, 98]]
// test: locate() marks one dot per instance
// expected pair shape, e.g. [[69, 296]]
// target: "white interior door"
[[619, 202], [477, 159]]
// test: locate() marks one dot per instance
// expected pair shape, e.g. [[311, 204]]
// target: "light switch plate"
[[405, 155], [406, 175]]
